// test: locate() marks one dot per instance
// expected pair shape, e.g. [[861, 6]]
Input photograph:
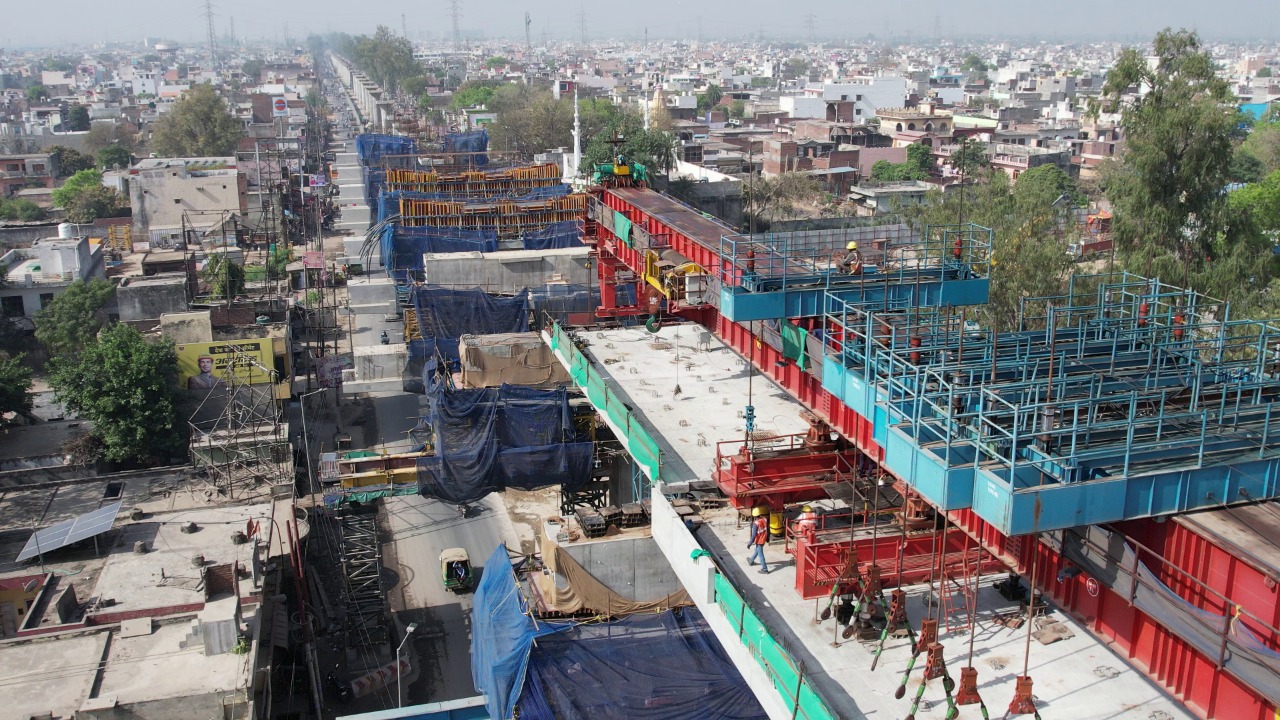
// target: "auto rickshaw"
[[455, 566]]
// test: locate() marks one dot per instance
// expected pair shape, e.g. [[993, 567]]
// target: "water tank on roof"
[[66, 231]]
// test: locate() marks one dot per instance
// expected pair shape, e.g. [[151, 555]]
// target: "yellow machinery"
[[680, 280]]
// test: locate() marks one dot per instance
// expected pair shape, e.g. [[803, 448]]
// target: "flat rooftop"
[[1077, 677]]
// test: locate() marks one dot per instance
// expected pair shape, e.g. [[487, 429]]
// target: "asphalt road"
[[421, 529]]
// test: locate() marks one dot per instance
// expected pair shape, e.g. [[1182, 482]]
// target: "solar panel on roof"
[[70, 531]]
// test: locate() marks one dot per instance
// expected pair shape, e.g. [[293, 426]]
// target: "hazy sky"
[[61, 21]]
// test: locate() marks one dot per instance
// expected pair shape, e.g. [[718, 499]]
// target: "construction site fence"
[[787, 675], [634, 436]]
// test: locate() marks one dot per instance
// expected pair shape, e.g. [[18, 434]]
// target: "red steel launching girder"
[[1178, 667]]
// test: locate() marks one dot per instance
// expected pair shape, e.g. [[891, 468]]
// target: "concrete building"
[[38, 273], [147, 298], [21, 171], [884, 198], [1017, 159], [168, 194], [925, 124]]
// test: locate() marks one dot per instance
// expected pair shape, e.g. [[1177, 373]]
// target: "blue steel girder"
[[1102, 414], [739, 305]]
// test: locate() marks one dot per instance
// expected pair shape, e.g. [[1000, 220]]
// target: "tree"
[[1180, 132], [474, 93], [199, 125], [70, 161], [252, 70], [386, 57], [78, 119], [655, 149], [413, 86], [916, 167], [225, 278], [1264, 73], [86, 199], [709, 99], [22, 210], [114, 156], [37, 93], [71, 321], [972, 64], [106, 134], [127, 387], [1264, 141], [795, 68], [15, 386], [1259, 202], [738, 109], [770, 198], [496, 62]]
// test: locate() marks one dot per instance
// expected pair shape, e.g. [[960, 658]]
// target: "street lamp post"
[[407, 632]]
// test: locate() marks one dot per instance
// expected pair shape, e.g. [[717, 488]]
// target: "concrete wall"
[[631, 567], [148, 300], [508, 272]]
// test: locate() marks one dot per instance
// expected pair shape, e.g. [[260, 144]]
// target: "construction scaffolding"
[[363, 597], [236, 434]]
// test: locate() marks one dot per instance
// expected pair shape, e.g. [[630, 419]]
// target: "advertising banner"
[[204, 366]]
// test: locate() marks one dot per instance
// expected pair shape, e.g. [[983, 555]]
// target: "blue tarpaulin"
[[667, 666], [475, 141], [402, 247], [444, 315], [488, 439], [371, 147]]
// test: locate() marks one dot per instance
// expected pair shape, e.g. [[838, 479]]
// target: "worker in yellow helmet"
[[806, 525], [852, 259], [759, 536]]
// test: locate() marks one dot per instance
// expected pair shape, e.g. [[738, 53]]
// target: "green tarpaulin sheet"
[[793, 343], [622, 227]]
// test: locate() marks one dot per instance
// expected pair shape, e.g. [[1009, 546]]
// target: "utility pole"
[[454, 12], [528, 40], [213, 33], [582, 25]]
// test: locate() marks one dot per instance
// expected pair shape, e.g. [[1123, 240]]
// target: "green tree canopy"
[[73, 318], [37, 93], [127, 387], [1264, 141], [655, 149], [112, 156], [85, 198], [474, 93], [199, 125], [1264, 73], [413, 86], [106, 134], [795, 68], [386, 57], [15, 386], [225, 278], [252, 70], [495, 62], [767, 199], [70, 161], [973, 64], [916, 167], [21, 209], [709, 99], [738, 109], [1180, 131], [78, 119]]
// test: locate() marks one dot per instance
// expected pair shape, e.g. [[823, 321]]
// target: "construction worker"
[[759, 536], [852, 259], [807, 524]]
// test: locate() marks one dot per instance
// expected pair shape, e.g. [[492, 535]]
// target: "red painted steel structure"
[[1195, 565]]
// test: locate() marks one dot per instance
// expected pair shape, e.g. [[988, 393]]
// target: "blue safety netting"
[[489, 439], [475, 141], [667, 666], [501, 635], [371, 147], [445, 315], [402, 247], [554, 236]]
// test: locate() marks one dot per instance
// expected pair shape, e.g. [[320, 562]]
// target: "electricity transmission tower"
[[213, 33], [454, 14], [528, 41]]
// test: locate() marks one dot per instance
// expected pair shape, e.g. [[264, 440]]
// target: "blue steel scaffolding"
[[1123, 398]]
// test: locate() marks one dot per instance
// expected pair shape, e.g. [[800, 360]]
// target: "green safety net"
[[639, 443], [793, 343], [622, 228], [778, 664], [368, 496]]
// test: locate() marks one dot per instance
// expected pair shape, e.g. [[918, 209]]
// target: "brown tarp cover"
[[568, 588], [512, 358]]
